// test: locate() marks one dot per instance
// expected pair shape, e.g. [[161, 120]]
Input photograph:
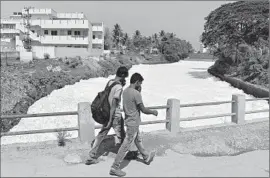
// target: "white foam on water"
[[185, 80]]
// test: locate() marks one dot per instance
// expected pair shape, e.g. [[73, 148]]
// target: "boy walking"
[[132, 105], [116, 121]]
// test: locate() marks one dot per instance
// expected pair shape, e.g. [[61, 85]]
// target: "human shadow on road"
[[108, 148]]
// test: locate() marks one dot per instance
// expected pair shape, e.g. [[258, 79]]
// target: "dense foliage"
[[238, 34], [172, 48]]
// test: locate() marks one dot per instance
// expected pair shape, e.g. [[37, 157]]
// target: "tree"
[[155, 40], [137, 39], [173, 48], [236, 23], [172, 35], [161, 33], [108, 41], [117, 35], [124, 39], [138, 33]]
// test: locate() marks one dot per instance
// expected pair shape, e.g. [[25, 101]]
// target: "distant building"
[[203, 50], [57, 34]]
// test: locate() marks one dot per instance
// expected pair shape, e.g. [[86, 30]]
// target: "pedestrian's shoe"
[[117, 172], [91, 161], [150, 158]]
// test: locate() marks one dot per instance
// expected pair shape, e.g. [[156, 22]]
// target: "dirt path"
[[172, 164]]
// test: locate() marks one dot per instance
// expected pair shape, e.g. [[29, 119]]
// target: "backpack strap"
[[108, 83], [112, 85]]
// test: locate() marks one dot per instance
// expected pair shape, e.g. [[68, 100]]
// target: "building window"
[[69, 32], [54, 33], [46, 32], [94, 36], [77, 33]]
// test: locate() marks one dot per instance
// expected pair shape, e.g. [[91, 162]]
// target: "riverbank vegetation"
[[238, 35], [24, 83], [168, 45]]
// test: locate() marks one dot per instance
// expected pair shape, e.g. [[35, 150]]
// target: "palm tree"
[[107, 39], [137, 39], [156, 40], [124, 39], [117, 35], [172, 35], [137, 34], [161, 33]]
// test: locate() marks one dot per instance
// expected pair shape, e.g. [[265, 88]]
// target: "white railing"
[[70, 15], [97, 28], [97, 41], [10, 21], [8, 40], [40, 11], [61, 23], [75, 23], [172, 122], [63, 40], [6, 30]]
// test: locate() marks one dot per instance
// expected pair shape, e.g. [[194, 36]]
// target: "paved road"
[[171, 164]]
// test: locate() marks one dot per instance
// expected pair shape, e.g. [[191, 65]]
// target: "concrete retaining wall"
[[71, 52], [41, 50], [10, 55]]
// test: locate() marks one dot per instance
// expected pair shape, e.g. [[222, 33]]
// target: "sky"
[[184, 18]]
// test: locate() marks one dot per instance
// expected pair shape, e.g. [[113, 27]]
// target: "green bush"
[[74, 62]]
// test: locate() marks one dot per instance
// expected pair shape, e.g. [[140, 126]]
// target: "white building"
[[203, 50], [58, 34]]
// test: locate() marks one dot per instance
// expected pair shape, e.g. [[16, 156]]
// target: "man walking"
[[132, 104], [116, 120]]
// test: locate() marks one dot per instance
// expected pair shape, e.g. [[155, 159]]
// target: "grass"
[[62, 138]]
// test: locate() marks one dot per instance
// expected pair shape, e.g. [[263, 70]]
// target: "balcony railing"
[[64, 40], [40, 11], [97, 41], [70, 15], [10, 21], [97, 28], [61, 23], [6, 30]]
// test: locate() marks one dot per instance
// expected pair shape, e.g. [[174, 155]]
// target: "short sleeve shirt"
[[116, 93], [131, 100]]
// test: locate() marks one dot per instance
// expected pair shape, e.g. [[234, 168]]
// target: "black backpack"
[[100, 107]]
